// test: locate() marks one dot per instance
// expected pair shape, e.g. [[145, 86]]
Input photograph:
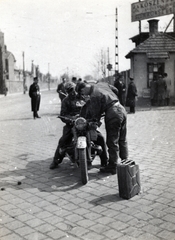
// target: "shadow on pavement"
[[49, 114], [36, 174], [15, 119], [106, 199]]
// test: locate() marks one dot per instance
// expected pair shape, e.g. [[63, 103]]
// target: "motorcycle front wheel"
[[83, 165]]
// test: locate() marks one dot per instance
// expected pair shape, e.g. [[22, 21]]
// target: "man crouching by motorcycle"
[[70, 108]]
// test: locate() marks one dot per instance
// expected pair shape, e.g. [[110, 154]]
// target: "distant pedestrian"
[[5, 90], [161, 90], [131, 95], [120, 85], [78, 83], [153, 92], [35, 95], [74, 80], [61, 89], [168, 88]]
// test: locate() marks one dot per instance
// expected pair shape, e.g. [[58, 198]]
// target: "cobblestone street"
[[37, 203]]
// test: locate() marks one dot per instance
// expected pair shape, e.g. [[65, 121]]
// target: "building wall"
[[11, 63], [14, 86], [2, 62], [170, 70], [140, 72]]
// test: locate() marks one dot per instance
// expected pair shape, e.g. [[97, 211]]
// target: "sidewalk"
[[21, 93], [38, 203]]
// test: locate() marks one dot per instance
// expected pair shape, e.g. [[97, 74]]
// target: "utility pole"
[[24, 75], [32, 69], [109, 66], [108, 63], [174, 17], [116, 44], [67, 72], [140, 26], [48, 77]]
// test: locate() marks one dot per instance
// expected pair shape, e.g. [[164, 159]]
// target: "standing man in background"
[[61, 89], [35, 95], [168, 88], [120, 85], [131, 95], [161, 90], [74, 80]]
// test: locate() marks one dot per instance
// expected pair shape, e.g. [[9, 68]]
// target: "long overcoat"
[[153, 90], [161, 88], [131, 95], [34, 93], [120, 85]]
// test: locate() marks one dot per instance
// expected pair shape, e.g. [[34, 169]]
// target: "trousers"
[[116, 132]]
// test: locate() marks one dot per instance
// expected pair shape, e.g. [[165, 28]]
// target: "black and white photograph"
[[87, 120]]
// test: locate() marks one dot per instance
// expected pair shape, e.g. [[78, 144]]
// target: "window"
[[154, 69]]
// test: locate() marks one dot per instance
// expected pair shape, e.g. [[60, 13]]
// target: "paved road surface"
[[53, 204]]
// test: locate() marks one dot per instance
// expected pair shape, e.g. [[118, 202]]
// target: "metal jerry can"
[[128, 179]]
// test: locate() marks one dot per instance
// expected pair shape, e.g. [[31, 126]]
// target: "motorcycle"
[[82, 149]]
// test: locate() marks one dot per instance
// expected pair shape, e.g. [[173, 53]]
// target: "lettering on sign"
[[151, 8]]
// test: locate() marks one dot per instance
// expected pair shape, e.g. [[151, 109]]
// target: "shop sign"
[[151, 8]]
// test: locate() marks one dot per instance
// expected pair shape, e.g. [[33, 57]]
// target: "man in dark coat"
[[131, 95], [70, 108], [35, 95], [161, 90], [61, 89], [120, 85], [104, 101]]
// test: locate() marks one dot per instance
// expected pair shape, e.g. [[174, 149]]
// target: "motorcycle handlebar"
[[66, 118], [73, 120]]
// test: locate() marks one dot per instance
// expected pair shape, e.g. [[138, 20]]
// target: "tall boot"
[[34, 114], [37, 115]]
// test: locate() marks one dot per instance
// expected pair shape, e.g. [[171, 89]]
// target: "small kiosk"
[[154, 53]]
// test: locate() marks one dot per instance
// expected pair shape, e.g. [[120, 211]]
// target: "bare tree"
[[88, 77], [103, 63], [100, 64]]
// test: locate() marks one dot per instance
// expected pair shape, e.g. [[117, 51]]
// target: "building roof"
[[144, 35], [158, 45]]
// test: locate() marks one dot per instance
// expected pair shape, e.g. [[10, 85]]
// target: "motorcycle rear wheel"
[[83, 165]]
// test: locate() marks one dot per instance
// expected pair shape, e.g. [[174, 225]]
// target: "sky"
[[66, 36]]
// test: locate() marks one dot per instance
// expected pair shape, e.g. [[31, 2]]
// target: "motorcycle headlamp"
[[80, 123]]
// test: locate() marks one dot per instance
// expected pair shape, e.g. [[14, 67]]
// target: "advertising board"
[[151, 8]]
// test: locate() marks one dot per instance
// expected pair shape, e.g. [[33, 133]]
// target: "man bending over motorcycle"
[[103, 100], [70, 108]]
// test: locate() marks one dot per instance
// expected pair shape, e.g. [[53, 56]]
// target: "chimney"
[[153, 27]]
